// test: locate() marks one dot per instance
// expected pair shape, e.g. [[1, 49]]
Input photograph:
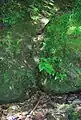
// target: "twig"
[[33, 109]]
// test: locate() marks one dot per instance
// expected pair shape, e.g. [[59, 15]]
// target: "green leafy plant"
[[12, 12], [72, 113], [46, 66], [62, 37], [34, 12], [11, 46]]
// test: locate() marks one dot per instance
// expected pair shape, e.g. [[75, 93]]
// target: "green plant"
[[72, 114], [12, 12], [11, 46], [62, 37], [34, 12], [78, 4], [45, 64]]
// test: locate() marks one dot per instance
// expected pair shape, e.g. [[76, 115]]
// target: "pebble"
[[76, 101]]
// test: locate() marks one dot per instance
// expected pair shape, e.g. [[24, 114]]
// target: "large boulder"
[[17, 65], [14, 84], [60, 62]]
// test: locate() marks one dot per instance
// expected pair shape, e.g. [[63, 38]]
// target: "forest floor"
[[43, 107]]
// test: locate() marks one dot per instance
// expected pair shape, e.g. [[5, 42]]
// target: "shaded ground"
[[42, 107]]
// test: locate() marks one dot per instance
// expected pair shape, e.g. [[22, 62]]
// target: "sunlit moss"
[[71, 30]]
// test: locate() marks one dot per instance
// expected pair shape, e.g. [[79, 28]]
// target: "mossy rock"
[[15, 82], [17, 65], [62, 51]]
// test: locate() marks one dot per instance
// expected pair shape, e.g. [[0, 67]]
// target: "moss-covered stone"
[[17, 65]]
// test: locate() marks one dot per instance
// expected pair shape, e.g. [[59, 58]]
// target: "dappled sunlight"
[[44, 21], [29, 47], [36, 59], [79, 28], [74, 37], [74, 29], [71, 30]]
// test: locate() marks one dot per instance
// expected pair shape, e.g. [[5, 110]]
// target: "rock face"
[[62, 54], [13, 86], [17, 64]]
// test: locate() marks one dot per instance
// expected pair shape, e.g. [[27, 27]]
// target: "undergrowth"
[[11, 12], [62, 37]]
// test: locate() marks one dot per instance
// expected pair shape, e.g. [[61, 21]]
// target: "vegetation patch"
[[60, 57], [11, 12]]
